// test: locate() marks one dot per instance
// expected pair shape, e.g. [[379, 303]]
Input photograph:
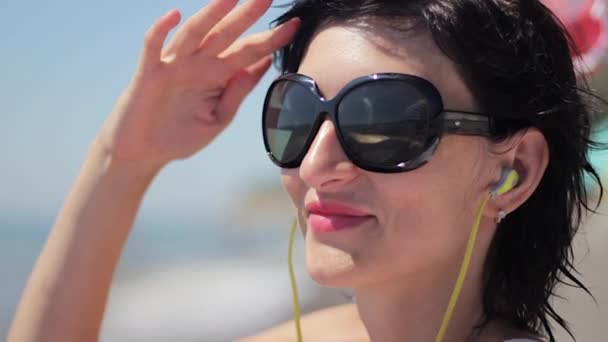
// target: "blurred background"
[[207, 257]]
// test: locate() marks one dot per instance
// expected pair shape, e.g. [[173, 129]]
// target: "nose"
[[325, 166]]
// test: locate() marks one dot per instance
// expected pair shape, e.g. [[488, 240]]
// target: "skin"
[[334, 324], [180, 98], [185, 92]]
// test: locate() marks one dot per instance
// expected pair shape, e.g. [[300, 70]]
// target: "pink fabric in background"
[[587, 22]]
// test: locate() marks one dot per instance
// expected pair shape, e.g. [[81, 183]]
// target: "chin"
[[331, 267]]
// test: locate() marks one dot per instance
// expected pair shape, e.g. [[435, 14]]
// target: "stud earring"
[[501, 216]]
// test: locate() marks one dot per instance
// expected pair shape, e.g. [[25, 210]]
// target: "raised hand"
[[183, 95], [179, 99]]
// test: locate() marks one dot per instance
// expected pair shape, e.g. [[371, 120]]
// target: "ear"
[[529, 156]]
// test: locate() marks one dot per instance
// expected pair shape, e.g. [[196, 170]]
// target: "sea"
[[179, 281]]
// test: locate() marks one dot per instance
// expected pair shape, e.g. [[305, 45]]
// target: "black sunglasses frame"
[[444, 122]]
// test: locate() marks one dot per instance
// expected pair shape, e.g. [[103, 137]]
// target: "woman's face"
[[419, 221]]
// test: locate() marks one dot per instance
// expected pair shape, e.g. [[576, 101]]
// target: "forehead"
[[339, 53]]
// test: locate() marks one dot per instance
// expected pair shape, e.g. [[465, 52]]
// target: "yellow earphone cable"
[[505, 186], [294, 287], [463, 272], [455, 293]]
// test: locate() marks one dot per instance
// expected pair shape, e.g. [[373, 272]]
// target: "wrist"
[[101, 155]]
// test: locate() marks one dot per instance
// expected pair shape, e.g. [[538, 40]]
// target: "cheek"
[[296, 190], [415, 229], [413, 209], [293, 185], [426, 213], [421, 240]]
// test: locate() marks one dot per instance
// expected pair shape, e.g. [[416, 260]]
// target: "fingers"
[[232, 26], [247, 51], [190, 35], [155, 38], [238, 87]]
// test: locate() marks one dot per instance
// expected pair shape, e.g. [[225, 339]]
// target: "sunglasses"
[[385, 122]]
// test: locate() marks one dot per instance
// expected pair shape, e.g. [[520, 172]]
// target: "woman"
[[434, 105]]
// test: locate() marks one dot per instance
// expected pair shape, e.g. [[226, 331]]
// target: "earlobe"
[[501, 216]]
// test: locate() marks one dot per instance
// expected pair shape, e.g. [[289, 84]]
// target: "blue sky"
[[63, 64]]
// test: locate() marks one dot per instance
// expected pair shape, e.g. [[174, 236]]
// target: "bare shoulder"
[[334, 324]]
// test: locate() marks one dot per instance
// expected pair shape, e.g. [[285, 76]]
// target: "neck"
[[412, 308]]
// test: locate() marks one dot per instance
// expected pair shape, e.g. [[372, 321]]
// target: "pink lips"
[[332, 217]]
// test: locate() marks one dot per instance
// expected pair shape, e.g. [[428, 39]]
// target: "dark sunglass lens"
[[386, 123], [288, 120]]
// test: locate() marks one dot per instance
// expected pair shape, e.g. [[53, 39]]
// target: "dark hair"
[[515, 57]]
